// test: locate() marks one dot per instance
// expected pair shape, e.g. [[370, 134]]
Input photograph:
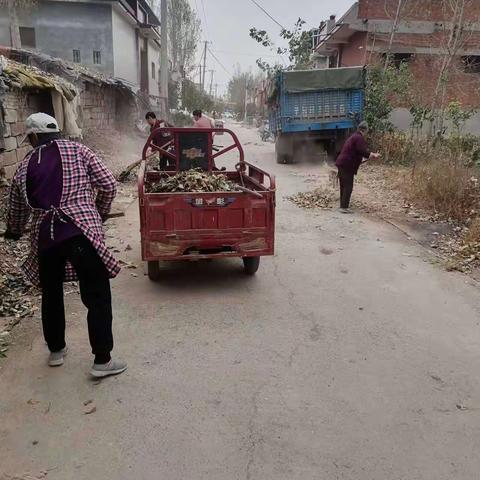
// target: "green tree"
[[193, 98], [385, 86], [458, 115], [299, 47]]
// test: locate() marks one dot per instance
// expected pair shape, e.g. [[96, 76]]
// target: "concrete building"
[[419, 33], [118, 38]]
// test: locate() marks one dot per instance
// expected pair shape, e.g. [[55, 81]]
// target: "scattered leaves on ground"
[[17, 297], [321, 197]]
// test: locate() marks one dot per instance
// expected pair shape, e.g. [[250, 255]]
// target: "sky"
[[226, 24]]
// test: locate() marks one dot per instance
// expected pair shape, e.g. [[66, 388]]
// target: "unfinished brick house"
[[430, 35]]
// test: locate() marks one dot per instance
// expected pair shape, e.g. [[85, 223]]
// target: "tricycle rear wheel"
[[251, 264], [153, 271]]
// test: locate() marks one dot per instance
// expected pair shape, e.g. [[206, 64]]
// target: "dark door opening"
[[40, 101]]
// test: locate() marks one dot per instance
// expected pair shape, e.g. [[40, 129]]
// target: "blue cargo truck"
[[312, 112]]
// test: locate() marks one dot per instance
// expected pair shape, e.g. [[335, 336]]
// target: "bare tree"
[[184, 35], [395, 24], [455, 34]]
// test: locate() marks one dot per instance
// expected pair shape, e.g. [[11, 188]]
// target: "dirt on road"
[[350, 355]]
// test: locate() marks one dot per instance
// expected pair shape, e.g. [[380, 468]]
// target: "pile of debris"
[[321, 197], [462, 248], [18, 75], [17, 298], [193, 181]]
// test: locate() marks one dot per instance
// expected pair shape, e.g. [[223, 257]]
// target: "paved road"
[[349, 356]]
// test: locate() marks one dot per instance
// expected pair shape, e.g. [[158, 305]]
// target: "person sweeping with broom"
[[354, 152], [67, 192]]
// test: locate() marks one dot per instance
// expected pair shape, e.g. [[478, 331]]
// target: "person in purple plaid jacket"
[[66, 191]]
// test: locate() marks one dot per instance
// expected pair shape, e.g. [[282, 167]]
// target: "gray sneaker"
[[345, 210], [55, 359], [113, 367]]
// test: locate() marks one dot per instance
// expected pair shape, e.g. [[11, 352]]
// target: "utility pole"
[[211, 81], [204, 65], [164, 56], [200, 77], [216, 88], [246, 100]]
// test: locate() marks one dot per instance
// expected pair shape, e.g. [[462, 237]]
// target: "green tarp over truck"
[[330, 78], [299, 81]]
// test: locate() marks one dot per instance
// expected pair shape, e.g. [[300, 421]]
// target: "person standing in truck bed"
[[160, 139], [354, 152], [201, 121]]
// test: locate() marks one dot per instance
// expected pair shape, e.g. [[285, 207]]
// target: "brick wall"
[[97, 107], [97, 112], [16, 110], [354, 53], [463, 87], [420, 10]]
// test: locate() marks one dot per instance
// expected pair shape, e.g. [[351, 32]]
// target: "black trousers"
[[346, 186], [94, 291]]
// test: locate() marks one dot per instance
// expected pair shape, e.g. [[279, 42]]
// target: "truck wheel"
[[153, 271], [251, 264], [284, 149]]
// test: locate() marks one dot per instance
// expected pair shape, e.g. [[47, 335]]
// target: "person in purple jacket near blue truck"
[[355, 151]]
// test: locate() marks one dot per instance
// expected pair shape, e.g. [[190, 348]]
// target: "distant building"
[[118, 38], [420, 36]]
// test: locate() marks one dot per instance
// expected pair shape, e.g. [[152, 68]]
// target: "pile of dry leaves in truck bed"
[[193, 181], [17, 297]]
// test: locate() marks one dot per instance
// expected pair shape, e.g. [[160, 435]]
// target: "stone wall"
[[97, 107], [17, 108], [97, 111]]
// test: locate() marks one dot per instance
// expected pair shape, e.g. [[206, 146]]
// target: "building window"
[[153, 70], [398, 59], [27, 37], [76, 56], [97, 57], [471, 63]]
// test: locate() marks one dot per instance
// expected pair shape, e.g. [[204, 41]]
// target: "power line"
[[218, 61], [205, 18], [246, 54], [266, 13]]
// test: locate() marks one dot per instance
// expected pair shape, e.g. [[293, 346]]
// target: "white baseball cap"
[[41, 123]]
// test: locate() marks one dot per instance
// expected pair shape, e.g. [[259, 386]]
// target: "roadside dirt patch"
[[381, 190]]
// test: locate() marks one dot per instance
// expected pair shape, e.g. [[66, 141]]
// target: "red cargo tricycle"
[[194, 226]]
